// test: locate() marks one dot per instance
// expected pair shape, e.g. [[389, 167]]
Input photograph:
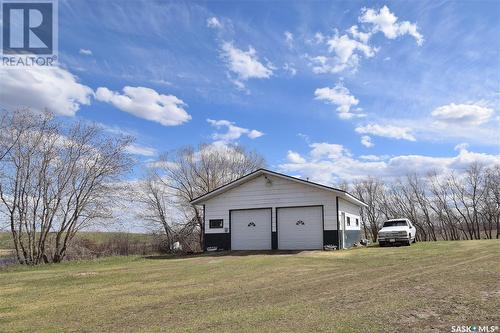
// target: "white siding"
[[257, 193], [351, 210]]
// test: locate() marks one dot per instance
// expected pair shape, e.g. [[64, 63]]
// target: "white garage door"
[[300, 228], [251, 229]]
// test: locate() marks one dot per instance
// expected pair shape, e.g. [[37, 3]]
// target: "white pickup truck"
[[397, 231]]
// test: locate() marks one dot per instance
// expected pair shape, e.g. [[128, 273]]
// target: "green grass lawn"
[[428, 286]]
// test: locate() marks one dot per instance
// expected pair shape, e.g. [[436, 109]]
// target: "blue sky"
[[328, 90]]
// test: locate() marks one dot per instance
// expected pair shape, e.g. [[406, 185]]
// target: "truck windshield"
[[401, 223]]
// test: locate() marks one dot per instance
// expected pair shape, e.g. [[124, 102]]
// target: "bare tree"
[[189, 173], [370, 192], [12, 126], [400, 201], [417, 186], [344, 186], [3, 137], [467, 193], [490, 206], [442, 206], [158, 206], [56, 180]]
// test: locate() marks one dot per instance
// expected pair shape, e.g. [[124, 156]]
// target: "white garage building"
[[266, 210]]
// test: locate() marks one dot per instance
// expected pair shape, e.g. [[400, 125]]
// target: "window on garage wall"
[[357, 222], [348, 221], [216, 224]]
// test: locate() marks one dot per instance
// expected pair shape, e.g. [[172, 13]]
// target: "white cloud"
[[347, 50], [233, 132], [329, 150], [346, 55], [148, 104], [245, 64], [136, 149], [39, 88], [345, 47], [116, 130], [289, 39], [162, 82], [432, 130], [386, 22], [304, 137], [387, 131], [363, 37], [240, 85], [254, 134], [223, 147], [319, 38], [289, 69], [340, 96], [461, 146], [370, 157], [367, 141], [462, 114], [294, 157], [342, 166], [323, 64], [213, 22], [85, 52]]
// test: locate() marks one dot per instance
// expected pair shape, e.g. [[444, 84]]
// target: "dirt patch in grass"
[[84, 274]]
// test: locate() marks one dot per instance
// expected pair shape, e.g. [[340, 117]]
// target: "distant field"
[[98, 237], [6, 252], [5, 241], [428, 287]]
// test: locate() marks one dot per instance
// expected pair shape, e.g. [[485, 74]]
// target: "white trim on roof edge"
[[343, 194]]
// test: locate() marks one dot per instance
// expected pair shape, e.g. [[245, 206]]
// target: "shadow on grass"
[[220, 254]]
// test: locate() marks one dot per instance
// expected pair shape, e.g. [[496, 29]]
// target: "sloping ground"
[[428, 286]]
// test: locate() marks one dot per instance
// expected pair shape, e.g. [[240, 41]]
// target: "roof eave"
[[353, 198]]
